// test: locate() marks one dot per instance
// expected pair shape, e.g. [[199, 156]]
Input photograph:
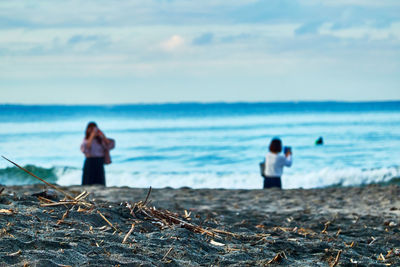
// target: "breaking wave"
[[323, 178]]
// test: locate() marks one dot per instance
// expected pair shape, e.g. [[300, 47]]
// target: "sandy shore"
[[322, 227]]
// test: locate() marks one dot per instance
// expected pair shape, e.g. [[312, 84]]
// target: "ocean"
[[206, 145]]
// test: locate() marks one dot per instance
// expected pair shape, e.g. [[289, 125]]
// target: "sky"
[[154, 51]]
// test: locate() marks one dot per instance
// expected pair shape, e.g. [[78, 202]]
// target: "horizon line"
[[201, 103]]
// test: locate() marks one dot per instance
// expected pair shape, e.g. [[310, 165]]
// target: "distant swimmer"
[[319, 141]]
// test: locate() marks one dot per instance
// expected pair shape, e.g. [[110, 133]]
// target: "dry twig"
[[15, 253], [326, 227], [166, 254], [147, 197], [107, 221], [129, 233], [278, 258], [63, 217], [336, 259]]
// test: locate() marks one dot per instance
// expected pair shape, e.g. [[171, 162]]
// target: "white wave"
[[322, 178], [345, 177]]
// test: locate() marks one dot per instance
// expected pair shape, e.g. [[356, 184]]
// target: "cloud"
[[84, 38], [361, 3], [308, 28], [173, 43], [237, 37], [203, 39], [133, 13]]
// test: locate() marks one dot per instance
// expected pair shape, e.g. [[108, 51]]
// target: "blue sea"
[[206, 145]]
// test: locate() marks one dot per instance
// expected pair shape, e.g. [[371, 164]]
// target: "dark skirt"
[[270, 182], [93, 171]]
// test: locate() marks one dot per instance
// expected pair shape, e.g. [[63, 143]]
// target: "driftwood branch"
[[40, 179]]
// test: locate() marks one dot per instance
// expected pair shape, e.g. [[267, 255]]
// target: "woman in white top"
[[274, 163], [95, 146]]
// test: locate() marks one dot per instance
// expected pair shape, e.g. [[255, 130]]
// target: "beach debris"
[[372, 241], [147, 196], [397, 251], [48, 194], [306, 232], [40, 179], [15, 253], [283, 229], [338, 232], [215, 243], [278, 258], [187, 215], [262, 239], [80, 209], [107, 221], [7, 211], [390, 224], [63, 217], [326, 227], [68, 200], [336, 259], [389, 254], [166, 254], [128, 234], [381, 257], [300, 231], [1, 190], [46, 199], [166, 218]]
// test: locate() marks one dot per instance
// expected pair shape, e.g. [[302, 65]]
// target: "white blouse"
[[274, 164]]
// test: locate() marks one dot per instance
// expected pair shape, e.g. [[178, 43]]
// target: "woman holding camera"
[[274, 163], [96, 148]]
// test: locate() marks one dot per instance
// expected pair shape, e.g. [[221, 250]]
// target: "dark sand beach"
[[355, 226]]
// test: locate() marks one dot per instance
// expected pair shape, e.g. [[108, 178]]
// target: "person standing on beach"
[[96, 148], [274, 163]]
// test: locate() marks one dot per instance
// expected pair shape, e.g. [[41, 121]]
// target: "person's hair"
[[275, 145], [88, 128]]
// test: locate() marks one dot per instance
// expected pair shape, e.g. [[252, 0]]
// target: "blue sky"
[[86, 51]]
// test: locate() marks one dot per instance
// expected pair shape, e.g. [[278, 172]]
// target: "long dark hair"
[[276, 145], [90, 126]]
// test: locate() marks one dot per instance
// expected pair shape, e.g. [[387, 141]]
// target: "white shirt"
[[274, 164]]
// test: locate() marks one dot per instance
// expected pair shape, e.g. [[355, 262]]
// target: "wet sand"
[[355, 226]]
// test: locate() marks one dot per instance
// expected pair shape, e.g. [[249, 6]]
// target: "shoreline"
[[297, 227]]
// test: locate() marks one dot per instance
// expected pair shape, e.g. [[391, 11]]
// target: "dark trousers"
[[270, 182], [93, 171]]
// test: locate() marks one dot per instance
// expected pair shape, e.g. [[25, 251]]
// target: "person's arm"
[[107, 143], [87, 143], [265, 165], [91, 137], [288, 159], [84, 148]]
